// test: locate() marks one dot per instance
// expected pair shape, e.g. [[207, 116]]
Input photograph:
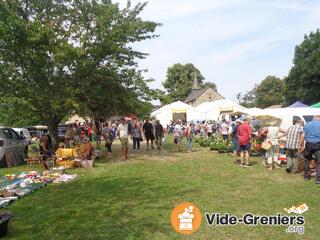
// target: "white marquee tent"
[[281, 112], [212, 110], [166, 113]]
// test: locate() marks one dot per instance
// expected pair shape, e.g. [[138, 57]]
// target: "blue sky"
[[234, 43]]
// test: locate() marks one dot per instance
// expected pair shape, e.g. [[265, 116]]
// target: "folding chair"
[[34, 160]]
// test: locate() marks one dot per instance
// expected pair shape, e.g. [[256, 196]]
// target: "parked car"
[[37, 132], [62, 129], [23, 132], [12, 146]]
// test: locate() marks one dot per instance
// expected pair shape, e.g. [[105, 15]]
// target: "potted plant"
[[4, 220]]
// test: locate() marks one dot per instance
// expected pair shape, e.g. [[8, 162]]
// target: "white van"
[[287, 120], [23, 132]]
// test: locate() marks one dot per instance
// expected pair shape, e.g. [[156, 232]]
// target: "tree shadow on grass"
[[99, 208]]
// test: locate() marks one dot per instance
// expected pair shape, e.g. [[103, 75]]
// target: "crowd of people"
[[123, 129], [298, 142]]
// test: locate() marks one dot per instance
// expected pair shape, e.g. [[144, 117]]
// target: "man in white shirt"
[[224, 128], [123, 135], [178, 134]]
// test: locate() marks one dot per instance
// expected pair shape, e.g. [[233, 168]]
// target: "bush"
[[215, 142]]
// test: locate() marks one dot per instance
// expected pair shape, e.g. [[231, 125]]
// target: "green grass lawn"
[[134, 199]]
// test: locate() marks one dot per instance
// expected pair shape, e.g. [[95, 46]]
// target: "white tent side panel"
[[212, 110], [164, 117], [281, 112], [165, 114], [213, 114], [193, 115]]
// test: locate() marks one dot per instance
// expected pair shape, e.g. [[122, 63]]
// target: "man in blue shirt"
[[312, 147]]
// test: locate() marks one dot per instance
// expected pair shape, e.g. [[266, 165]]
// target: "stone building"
[[200, 95]]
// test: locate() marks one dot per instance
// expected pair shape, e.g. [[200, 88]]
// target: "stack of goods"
[[65, 163], [65, 157], [13, 186]]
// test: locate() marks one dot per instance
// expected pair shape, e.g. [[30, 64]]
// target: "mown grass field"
[[134, 199]]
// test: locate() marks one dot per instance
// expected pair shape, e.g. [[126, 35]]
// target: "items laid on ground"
[[75, 157], [14, 186]]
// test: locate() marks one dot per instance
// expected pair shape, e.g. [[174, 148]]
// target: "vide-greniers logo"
[[186, 218]]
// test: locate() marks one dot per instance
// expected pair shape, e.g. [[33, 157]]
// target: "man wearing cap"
[[244, 136], [312, 147]]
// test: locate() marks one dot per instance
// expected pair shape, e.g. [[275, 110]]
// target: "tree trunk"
[[53, 131]]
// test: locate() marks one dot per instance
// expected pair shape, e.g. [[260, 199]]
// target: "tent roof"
[[317, 105], [298, 104], [174, 105], [224, 103], [255, 111]]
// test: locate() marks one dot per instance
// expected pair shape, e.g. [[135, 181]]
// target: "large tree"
[[179, 81], [61, 55], [303, 81], [249, 98], [269, 92]]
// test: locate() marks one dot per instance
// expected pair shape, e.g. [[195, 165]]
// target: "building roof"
[[195, 93]]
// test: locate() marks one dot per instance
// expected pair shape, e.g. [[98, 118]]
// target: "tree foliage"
[[249, 98], [179, 81], [58, 56], [303, 81], [269, 92], [209, 85]]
